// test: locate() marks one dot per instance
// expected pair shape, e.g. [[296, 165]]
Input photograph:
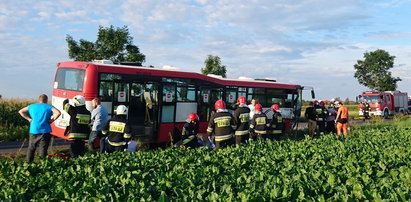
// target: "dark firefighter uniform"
[[118, 133], [79, 128], [276, 125], [242, 118], [222, 125], [321, 117], [189, 134], [259, 125]]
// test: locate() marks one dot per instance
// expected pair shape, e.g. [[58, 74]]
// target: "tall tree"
[[114, 44], [213, 66], [373, 73]]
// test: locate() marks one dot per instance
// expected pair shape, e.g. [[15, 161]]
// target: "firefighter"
[[311, 116], [365, 109], [259, 123], [189, 133], [78, 130], [222, 125], [242, 118], [321, 116], [332, 113], [118, 131], [342, 119], [276, 123]]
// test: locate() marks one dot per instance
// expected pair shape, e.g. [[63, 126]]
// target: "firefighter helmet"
[[121, 110], [322, 103], [315, 102], [258, 107], [193, 117], [79, 100], [275, 107], [220, 104], [241, 100]]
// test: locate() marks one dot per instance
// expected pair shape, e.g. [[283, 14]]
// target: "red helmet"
[[193, 117], [258, 107], [241, 100], [315, 102], [220, 104], [275, 107], [322, 103]]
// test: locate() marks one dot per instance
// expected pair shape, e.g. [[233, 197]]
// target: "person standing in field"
[[330, 128], [99, 117], [118, 131], [40, 116], [259, 124], [342, 119], [276, 123], [78, 130], [242, 118], [222, 125], [311, 116]]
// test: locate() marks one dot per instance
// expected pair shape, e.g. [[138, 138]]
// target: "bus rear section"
[[69, 81]]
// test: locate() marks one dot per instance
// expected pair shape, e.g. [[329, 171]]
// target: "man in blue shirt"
[[40, 116], [99, 116]]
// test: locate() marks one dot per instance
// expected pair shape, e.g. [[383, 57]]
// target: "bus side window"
[[106, 90]]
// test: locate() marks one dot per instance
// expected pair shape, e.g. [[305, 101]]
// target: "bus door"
[[143, 108], [167, 109], [207, 97]]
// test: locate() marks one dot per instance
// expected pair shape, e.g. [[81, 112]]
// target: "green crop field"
[[373, 163], [12, 126]]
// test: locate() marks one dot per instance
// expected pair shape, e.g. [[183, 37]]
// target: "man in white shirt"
[[252, 108]]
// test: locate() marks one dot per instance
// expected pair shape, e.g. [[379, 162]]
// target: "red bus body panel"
[[90, 87]]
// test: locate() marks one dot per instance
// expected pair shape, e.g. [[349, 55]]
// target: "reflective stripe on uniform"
[[83, 118], [260, 131], [319, 119], [276, 132], [127, 135], [104, 132], [242, 132], [209, 130], [116, 144], [191, 137], [223, 137], [66, 106], [77, 135]]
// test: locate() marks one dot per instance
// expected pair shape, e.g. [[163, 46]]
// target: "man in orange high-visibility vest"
[[342, 119]]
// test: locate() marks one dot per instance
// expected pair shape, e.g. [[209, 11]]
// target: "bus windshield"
[[372, 98], [69, 79]]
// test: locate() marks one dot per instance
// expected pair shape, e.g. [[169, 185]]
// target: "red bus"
[[160, 100]]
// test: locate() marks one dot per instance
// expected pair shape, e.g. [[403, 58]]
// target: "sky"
[[312, 42]]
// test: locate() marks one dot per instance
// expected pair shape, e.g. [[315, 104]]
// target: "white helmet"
[[121, 110], [79, 100], [336, 103]]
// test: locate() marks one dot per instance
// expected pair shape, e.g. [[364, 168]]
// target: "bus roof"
[[148, 71]]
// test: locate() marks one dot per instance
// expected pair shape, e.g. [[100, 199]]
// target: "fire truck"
[[387, 103]]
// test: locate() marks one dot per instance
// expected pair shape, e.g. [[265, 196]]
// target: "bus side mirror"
[[312, 94]]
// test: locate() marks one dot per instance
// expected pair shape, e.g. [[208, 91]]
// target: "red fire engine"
[[387, 103]]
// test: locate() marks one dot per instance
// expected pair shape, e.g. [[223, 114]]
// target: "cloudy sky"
[[310, 42]]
